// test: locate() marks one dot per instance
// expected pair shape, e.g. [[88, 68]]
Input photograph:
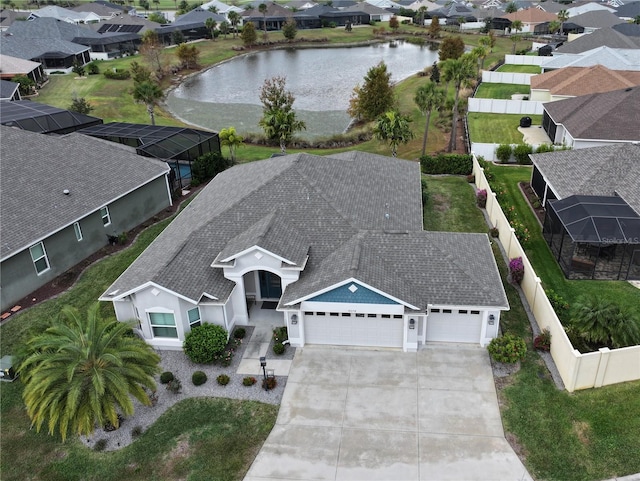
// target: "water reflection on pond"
[[321, 80]]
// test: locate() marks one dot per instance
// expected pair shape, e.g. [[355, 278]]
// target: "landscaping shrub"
[[93, 69], [503, 153], [494, 232], [425, 191], [543, 148], [481, 198], [269, 383], [516, 270], [223, 379], [208, 166], [543, 341], [119, 74], [559, 304], [136, 432], [166, 377], [278, 348], [280, 334], [101, 445], [175, 386], [205, 342], [507, 348], [198, 378], [471, 178], [521, 153], [239, 333], [249, 381], [227, 357], [455, 164], [522, 232]]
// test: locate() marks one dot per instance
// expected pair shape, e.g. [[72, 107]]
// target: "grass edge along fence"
[[578, 370]]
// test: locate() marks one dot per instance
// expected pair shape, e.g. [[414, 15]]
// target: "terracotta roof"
[[531, 15], [576, 81], [612, 116]]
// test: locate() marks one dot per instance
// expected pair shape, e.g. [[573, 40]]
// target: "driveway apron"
[[365, 414]]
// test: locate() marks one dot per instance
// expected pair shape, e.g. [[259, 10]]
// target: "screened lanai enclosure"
[[178, 146], [594, 237]]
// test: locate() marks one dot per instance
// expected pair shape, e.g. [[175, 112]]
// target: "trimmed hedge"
[[456, 164], [204, 343], [119, 74]]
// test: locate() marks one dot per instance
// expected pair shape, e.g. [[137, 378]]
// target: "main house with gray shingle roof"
[[60, 199], [334, 243]]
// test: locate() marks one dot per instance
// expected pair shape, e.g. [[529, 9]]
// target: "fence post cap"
[[511, 229], [537, 279]]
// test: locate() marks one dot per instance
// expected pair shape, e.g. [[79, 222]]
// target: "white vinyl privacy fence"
[[492, 77], [502, 106], [578, 371]]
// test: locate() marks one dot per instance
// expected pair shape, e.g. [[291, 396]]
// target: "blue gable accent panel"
[[361, 295]]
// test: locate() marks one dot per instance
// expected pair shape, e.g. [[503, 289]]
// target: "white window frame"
[[152, 325], [197, 322], [36, 259], [106, 216], [78, 231]]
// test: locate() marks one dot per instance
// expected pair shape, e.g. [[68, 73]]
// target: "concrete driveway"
[[356, 414]]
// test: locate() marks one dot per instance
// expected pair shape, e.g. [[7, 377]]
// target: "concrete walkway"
[[362, 414]]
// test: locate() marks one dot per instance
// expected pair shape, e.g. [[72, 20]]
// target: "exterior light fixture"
[[492, 319], [412, 323], [294, 319], [263, 365]]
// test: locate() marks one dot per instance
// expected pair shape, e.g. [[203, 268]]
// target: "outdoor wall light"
[[412, 323], [492, 319], [294, 319]]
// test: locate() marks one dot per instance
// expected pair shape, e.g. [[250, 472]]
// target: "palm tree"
[[234, 19], [563, 16], [511, 7], [422, 12], [80, 373], [393, 127], [480, 52], [459, 71], [211, 25], [603, 322], [148, 92], [281, 125], [428, 98], [516, 26], [231, 139], [262, 8], [554, 26]]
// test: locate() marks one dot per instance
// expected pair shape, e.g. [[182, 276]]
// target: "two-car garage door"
[[348, 329], [449, 325]]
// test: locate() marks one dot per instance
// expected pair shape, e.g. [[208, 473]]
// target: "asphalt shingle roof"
[[576, 81], [603, 37], [607, 171], [354, 215], [7, 89], [35, 170], [607, 116]]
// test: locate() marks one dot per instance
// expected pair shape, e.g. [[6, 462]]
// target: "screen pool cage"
[[594, 237], [178, 146]]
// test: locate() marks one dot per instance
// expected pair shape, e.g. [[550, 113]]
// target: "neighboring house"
[[192, 26], [275, 17], [594, 20], [375, 13], [629, 11], [354, 14], [592, 199], [102, 46], [221, 8], [104, 10], [44, 119], [124, 23], [61, 197], [603, 37], [385, 4], [12, 66], [64, 15], [9, 91], [300, 4], [334, 243], [628, 29], [614, 59], [54, 55], [7, 17], [594, 120], [530, 18], [575, 81]]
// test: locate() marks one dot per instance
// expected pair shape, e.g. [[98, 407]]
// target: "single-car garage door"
[[451, 325], [346, 329]]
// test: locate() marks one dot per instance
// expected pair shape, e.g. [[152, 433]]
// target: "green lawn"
[[587, 435], [497, 128], [520, 68], [500, 91]]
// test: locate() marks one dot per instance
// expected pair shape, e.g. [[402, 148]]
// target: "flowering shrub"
[[280, 334], [522, 233], [249, 381], [510, 213], [543, 340], [508, 349], [516, 270], [481, 198]]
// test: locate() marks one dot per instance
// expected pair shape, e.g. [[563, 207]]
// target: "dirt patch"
[[513, 441], [177, 456], [440, 203], [582, 431]]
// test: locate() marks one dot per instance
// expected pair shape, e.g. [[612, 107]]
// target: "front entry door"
[[270, 285]]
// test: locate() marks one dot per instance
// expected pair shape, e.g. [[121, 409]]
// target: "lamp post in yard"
[[263, 364]]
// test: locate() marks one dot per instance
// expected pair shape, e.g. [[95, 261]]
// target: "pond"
[[321, 80]]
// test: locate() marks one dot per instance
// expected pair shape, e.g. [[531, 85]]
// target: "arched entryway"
[[269, 285]]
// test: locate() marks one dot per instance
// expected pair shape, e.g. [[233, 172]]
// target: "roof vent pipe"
[[66, 192]]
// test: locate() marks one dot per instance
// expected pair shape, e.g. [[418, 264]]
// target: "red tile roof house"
[[594, 120], [576, 81], [335, 244], [530, 18]]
